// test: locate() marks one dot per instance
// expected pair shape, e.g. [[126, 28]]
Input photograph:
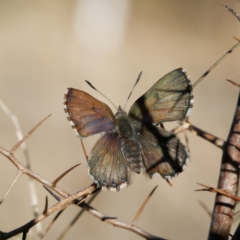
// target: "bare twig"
[[228, 179], [143, 206], [48, 211], [218, 142], [30, 173], [112, 220], [53, 221], [65, 231], [233, 12], [197, 131], [32, 187], [119, 224], [67, 199], [224, 192]]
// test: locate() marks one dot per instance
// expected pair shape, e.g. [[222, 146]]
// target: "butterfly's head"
[[120, 113]]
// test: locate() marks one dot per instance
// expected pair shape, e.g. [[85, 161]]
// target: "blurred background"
[[48, 46]]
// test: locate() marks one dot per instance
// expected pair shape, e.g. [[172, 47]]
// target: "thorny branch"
[[48, 211], [32, 187], [66, 199], [228, 180]]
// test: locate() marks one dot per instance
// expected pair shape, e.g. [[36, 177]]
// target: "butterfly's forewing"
[[106, 163], [162, 152], [87, 115], [169, 99]]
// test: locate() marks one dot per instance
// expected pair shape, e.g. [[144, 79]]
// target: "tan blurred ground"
[[47, 46]]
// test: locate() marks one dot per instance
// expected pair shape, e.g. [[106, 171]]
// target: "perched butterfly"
[[132, 141]]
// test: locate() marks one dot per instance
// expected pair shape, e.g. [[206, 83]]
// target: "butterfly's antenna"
[[139, 76], [100, 93], [215, 64]]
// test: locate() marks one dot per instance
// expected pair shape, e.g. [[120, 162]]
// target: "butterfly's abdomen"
[[129, 146], [132, 153]]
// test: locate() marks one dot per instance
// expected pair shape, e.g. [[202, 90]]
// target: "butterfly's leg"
[[84, 150], [160, 125], [170, 184]]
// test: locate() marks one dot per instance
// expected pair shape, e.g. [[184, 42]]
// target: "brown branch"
[[65, 231], [233, 12], [112, 220], [61, 204], [53, 221], [30, 173], [228, 179], [118, 223], [67, 199], [224, 192], [218, 142]]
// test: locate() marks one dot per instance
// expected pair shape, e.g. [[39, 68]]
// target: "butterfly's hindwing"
[[107, 166], [163, 153]]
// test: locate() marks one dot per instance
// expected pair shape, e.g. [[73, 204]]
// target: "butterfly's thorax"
[[129, 145]]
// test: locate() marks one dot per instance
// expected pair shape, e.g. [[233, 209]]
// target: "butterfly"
[[134, 141]]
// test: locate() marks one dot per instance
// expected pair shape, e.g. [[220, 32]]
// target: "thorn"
[[54, 183], [53, 194], [234, 83], [143, 206], [204, 206], [46, 207], [27, 135], [154, 189], [11, 186], [237, 39], [53, 221], [106, 218]]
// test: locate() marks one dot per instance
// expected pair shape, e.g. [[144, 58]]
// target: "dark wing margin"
[[163, 153], [169, 99], [86, 114], [107, 166]]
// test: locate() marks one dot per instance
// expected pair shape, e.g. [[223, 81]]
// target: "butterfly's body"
[[129, 146], [132, 141]]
